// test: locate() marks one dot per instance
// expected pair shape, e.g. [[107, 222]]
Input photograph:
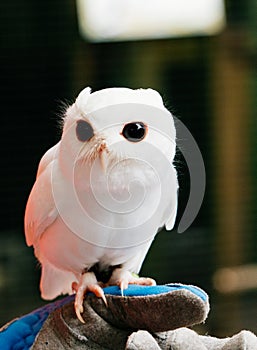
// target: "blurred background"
[[207, 79]]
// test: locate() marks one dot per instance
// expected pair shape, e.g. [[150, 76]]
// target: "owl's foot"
[[87, 283], [123, 278]]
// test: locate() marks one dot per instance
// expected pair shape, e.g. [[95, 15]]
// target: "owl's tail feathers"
[[55, 282]]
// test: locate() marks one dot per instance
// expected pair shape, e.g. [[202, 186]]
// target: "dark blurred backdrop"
[[207, 82]]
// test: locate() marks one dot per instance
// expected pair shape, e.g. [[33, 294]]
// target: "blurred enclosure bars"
[[207, 78]]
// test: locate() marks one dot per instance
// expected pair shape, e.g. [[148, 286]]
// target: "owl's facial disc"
[[94, 145]]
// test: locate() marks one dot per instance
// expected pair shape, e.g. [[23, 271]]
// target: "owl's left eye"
[[134, 132], [84, 130]]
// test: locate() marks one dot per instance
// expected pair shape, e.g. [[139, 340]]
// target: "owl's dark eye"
[[84, 130], [134, 132]]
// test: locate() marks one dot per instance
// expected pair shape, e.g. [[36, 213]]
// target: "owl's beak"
[[103, 150]]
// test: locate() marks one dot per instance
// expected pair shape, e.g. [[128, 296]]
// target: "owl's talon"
[[123, 278], [98, 291], [123, 284], [87, 283], [105, 301], [79, 310], [78, 304]]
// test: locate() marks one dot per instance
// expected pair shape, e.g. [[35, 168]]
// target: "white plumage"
[[102, 192]]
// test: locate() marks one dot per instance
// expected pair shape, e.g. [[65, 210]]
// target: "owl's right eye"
[[84, 130]]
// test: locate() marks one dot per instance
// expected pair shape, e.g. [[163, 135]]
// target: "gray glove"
[[152, 322]]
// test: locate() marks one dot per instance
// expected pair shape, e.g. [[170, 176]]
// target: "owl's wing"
[[171, 211], [40, 211], [169, 224], [47, 158]]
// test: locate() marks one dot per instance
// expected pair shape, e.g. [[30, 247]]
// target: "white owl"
[[102, 193]]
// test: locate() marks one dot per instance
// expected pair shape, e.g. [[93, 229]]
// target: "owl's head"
[[118, 122]]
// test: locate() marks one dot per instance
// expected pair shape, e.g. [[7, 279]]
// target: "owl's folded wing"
[[47, 158], [169, 224], [40, 211], [173, 201]]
